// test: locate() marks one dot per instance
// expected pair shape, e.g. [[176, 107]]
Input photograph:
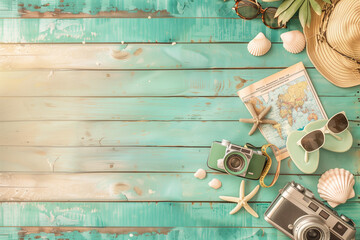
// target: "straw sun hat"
[[333, 42]]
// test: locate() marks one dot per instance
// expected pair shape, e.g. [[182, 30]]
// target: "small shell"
[[293, 41], [336, 186], [259, 46], [200, 174], [215, 183]]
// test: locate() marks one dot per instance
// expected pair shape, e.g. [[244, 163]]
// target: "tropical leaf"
[[287, 15], [284, 5], [303, 13], [316, 7], [327, 1], [309, 15]]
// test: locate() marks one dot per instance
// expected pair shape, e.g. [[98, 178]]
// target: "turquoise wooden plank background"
[[109, 107]]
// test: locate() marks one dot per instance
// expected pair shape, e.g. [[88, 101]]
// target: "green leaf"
[[309, 15], [286, 15], [327, 1], [316, 7], [303, 13], [284, 5]]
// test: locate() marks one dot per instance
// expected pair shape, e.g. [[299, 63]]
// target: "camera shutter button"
[[300, 188], [309, 194], [343, 217], [225, 142]]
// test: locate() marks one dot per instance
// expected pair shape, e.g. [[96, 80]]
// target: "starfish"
[[257, 118], [242, 200]]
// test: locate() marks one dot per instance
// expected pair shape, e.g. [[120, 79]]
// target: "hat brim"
[[338, 69]]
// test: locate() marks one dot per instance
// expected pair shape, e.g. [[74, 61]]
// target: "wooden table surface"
[[109, 107]]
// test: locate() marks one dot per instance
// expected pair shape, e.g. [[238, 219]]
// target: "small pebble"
[[215, 183], [149, 17], [200, 174], [174, 43]]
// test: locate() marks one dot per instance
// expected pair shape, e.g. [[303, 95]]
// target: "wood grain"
[[119, 9], [116, 30], [127, 214], [133, 133], [141, 159], [98, 83], [152, 56], [140, 233], [139, 108], [137, 187]]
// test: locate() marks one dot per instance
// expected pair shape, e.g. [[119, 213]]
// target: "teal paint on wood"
[[190, 21], [132, 133], [138, 187], [141, 159], [111, 30], [161, 214], [120, 9], [142, 56], [150, 108], [146, 83], [183, 233]]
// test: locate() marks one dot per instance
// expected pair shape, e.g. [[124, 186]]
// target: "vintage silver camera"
[[299, 215]]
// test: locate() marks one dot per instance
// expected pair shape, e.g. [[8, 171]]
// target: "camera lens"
[[311, 227], [313, 234], [235, 163]]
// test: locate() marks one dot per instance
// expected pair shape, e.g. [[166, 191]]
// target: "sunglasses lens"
[[247, 9], [338, 123], [312, 141], [269, 18]]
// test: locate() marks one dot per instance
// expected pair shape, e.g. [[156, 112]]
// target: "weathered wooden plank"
[[142, 56], [140, 108], [138, 133], [141, 159], [146, 83], [165, 30], [161, 214], [136, 186], [139, 233], [118, 9]]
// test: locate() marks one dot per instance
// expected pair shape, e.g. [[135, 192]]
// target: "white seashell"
[[259, 46], [215, 183], [336, 186], [200, 174], [293, 41]]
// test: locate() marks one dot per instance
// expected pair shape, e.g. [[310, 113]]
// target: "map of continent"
[[292, 99], [293, 106]]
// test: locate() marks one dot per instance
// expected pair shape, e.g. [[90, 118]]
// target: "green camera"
[[236, 160]]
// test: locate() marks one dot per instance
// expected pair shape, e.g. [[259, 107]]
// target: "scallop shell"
[[336, 186], [200, 174], [215, 183], [293, 41], [259, 46]]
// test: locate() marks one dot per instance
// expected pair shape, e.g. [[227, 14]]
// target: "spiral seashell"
[[336, 186], [215, 183], [259, 46], [293, 41], [200, 173]]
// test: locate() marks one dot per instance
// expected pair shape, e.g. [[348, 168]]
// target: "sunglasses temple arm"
[[335, 136]]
